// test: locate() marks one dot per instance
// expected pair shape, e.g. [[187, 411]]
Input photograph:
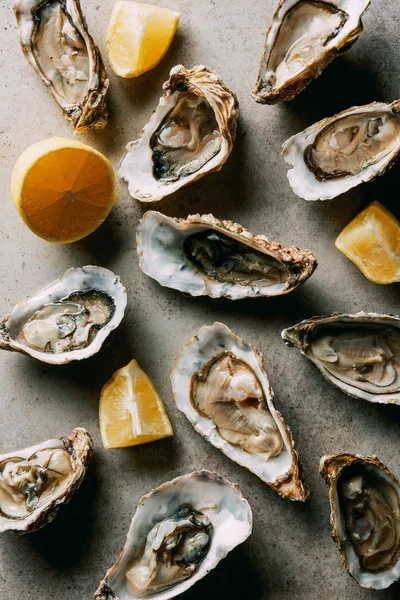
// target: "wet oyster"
[[220, 385], [57, 44], [179, 533], [303, 38], [338, 153], [359, 353], [67, 320], [202, 256], [365, 515], [35, 482], [190, 134]]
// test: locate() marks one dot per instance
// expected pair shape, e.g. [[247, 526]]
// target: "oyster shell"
[[36, 481], [190, 134], [365, 516], [203, 256], [67, 320], [340, 152], [303, 38], [360, 353], [56, 42], [219, 383], [179, 533]]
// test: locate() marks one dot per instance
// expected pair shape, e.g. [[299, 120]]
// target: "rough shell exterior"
[[91, 111], [265, 94], [331, 467], [300, 263], [80, 447]]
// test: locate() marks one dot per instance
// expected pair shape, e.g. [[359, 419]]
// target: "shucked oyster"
[[220, 385], [303, 38], [57, 44], [179, 533], [360, 353], [202, 256], [67, 320], [35, 482], [190, 134], [338, 153], [365, 515]]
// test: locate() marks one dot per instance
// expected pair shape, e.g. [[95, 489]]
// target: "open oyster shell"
[[56, 42], [219, 383], [360, 353], [213, 517], [36, 481], [190, 134], [303, 38], [203, 256], [340, 152], [67, 320], [365, 517]]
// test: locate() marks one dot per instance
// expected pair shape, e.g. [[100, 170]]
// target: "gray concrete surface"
[[290, 554]]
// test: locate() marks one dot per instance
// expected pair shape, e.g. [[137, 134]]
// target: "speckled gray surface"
[[290, 553]]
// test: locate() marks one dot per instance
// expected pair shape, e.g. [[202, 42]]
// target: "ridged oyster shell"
[[219, 503], [371, 520], [55, 40], [36, 481], [359, 353], [303, 38], [269, 451], [369, 137], [189, 135], [67, 320], [163, 255]]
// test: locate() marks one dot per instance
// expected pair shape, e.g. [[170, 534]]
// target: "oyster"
[[67, 320], [35, 482], [338, 153], [203, 256], [359, 353], [365, 516], [190, 134], [57, 44], [179, 533], [303, 38], [220, 385]]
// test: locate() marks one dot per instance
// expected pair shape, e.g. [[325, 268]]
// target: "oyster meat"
[[190, 134], [359, 353], [57, 44], [36, 481], [303, 38], [219, 383], [203, 256], [69, 319], [365, 515], [179, 533], [340, 152]]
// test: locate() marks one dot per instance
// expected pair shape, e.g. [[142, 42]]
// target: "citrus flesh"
[[63, 189], [131, 411], [372, 241], [138, 36]]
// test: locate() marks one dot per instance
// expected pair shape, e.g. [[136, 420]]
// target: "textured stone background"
[[290, 554]]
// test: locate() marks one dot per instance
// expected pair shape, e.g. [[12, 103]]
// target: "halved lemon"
[[131, 411], [372, 241], [63, 190], [138, 36]]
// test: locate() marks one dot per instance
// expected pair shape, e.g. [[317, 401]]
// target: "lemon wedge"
[[138, 36], [372, 241], [131, 411], [62, 189]]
